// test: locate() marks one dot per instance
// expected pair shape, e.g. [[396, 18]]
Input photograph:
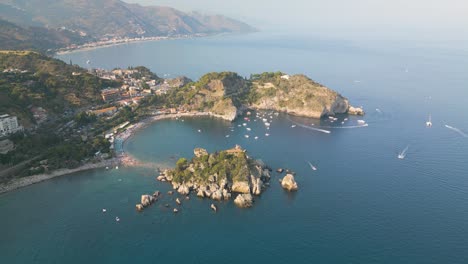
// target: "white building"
[[9, 125]]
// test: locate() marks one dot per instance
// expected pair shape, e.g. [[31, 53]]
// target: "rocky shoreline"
[[218, 176]]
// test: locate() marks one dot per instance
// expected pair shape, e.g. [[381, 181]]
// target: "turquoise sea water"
[[362, 205]]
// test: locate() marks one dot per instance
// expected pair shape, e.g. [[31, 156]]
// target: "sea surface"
[[361, 205]]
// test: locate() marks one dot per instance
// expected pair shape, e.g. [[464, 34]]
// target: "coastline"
[[106, 44], [18, 183], [123, 159]]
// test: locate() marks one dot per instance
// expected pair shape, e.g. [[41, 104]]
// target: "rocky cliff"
[[216, 93], [296, 95]]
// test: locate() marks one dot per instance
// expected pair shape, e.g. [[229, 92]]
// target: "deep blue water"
[[362, 205]]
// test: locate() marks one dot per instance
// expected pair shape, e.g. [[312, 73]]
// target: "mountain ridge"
[[114, 18]]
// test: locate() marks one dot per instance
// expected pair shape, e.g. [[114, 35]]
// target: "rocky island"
[[219, 176]]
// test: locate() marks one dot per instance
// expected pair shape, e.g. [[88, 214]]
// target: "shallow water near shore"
[[362, 205]]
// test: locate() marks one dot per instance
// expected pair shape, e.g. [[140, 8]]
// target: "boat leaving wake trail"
[[402, 154], [309, 127], [347, 127], [312, 166], [457, 130]]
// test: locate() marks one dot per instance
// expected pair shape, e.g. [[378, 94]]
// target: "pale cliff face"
[[295, 95], [300, 96]]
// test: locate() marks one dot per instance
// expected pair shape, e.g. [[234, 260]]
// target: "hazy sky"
[[398, 17]]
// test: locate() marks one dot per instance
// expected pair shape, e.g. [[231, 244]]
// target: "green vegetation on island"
[[217, 175]]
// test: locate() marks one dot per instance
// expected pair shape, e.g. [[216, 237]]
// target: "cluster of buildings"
[[9, 125], [12, 70], [134, 87]]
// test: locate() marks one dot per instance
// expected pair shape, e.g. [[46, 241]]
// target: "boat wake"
[[312, 166], [309, 127], [463, 134], [402, 154], [346, 127]]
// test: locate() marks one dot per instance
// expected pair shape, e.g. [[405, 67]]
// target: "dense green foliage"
[[221, 165], [58, 151], [45, 82]]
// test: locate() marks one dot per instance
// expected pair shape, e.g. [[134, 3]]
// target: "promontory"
[[226, 95]]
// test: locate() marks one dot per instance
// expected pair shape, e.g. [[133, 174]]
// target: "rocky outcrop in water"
[[217, 175], [244, 200], [289, 183]]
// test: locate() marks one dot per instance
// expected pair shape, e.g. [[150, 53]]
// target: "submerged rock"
[[288, 183]]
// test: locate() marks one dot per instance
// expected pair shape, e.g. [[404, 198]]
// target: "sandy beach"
[[97, 45], [25, 181]]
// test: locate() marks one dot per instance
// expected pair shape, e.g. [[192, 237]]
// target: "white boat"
[[246, 136], [267, 124], [248, 129], [256, 137], [116, 167], [244, 124], [266, 134], [361, 122], [104, 210], [293, 126], [227, 136], [346, 119], [402, 154], [107, 168], [239, 125], [429, 122], [117, 219], [199, 130], [264, 120]]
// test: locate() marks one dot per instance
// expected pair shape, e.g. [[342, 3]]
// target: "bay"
[[362, 205]]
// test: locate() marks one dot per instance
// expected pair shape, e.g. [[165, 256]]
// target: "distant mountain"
[[114, 18], [35, 38]]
